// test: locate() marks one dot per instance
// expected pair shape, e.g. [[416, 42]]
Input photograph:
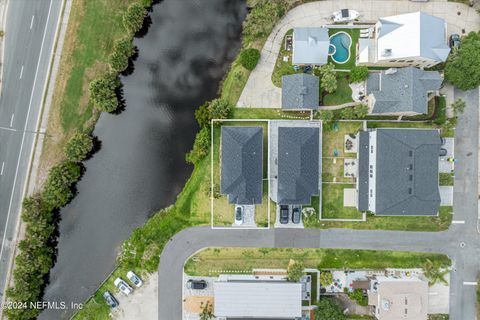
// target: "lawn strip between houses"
[[215, 261]]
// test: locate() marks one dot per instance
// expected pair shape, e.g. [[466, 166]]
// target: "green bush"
[[295, 271], [78, 147], [326, 278], [360, 111], [359, 297], [201, 146], [215, 109], [463, 65], [57, 190], [103, 92], [328, 78], [262, 18], [123, 49], [133, 17], [358, 74], [249, 58], [347, 113]]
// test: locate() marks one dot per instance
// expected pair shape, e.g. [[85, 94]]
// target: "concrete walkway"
[[259, 91]]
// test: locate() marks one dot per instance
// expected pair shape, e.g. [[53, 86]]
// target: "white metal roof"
[[415, 34], [310, 45], [279, 300]]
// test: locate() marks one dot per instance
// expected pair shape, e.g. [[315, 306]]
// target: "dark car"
[[196, 284], [283, 214], [238, 215], [296, 214], [443, 152], [110, 299], [454, 41]]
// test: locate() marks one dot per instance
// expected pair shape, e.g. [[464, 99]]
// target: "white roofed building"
[[412, 39]]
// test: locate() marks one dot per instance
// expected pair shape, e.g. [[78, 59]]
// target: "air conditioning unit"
[[386, 52]]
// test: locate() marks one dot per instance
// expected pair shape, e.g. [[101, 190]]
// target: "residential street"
[[461, 242], [29, 38], [260, 92]]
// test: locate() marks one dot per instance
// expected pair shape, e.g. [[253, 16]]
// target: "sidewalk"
[[259, 91]]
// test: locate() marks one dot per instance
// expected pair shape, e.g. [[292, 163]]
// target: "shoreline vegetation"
[[75, 109]]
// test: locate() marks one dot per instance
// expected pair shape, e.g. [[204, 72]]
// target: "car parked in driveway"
[[454, 41], [123, 286], [196, 284], [296, 211], [284, 214], [238, 215], [110, 299], [134, 279]]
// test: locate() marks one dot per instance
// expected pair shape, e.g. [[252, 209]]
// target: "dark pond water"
[[140, 167]]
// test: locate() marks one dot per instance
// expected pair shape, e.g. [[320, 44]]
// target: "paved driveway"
[[259, 91]]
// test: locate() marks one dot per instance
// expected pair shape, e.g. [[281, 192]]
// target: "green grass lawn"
[[333, 168], [332, 202], [234, 82], [332, 139], [354, 34], [283, 68], [446, 179], [268, 113], [246, 259], [396, 124], [342, 95], [442, 222]]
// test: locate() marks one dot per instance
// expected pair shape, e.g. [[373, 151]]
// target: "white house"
[[412, 39]]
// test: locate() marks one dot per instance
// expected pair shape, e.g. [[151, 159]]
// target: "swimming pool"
[[339, 49]]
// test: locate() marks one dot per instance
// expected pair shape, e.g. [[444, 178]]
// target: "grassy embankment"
[[209, 261]]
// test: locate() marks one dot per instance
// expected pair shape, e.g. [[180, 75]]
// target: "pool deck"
[[260, 92]]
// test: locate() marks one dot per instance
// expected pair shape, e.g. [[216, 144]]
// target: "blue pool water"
[[340, 47]]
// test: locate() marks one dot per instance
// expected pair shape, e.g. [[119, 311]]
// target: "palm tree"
[[435, 273]]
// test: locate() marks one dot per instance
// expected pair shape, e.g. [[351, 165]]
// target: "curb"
[[2, 51]]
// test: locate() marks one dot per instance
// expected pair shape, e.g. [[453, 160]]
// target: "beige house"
[[414, 39], [399, 298]]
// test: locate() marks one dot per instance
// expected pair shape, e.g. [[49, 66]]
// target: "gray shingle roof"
[[310, 46], [298, 162], [300, 91], [241, 164], [402, 91], [407, 172], [363, 163]]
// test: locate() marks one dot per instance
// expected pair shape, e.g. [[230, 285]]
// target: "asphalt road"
[[460, 242], [29, 37]]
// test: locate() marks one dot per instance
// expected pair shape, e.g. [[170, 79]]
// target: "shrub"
[[249, 58], [458, 106], [103, 92], [262, 18], [359, 297], [57, 191], [360, 111], [326, 278], [201, 146], [326, 115], [347, 113], [123, 49], [463, 65], [133, 17], [358, 74], [78, 147], [215, 109]]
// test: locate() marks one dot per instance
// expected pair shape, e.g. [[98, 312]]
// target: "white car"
[[345, 15], [123, 286], [134, 279]]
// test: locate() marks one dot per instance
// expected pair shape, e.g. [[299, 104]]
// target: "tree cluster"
[[78, 147], [463, 65], [329, 309], [328, 78], [134, 17], [295, 271], [103, 92], [123, 50], [358, 74]]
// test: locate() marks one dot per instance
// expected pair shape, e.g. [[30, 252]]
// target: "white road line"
[[458, 221], [31, 23], [470, 283], [11, 119], [3, 165], [8, 129], [21, 72], [24, 130]]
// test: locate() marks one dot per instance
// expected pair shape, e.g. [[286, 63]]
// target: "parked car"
[[123, 286], [110, 299], [296, 212], [238, 215], [443, 152], [454, 41], [283, 214], [196, 284], [134, 279]]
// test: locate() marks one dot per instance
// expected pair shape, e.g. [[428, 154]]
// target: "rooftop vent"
[[387, 52], [312, 41], [391, 71]]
